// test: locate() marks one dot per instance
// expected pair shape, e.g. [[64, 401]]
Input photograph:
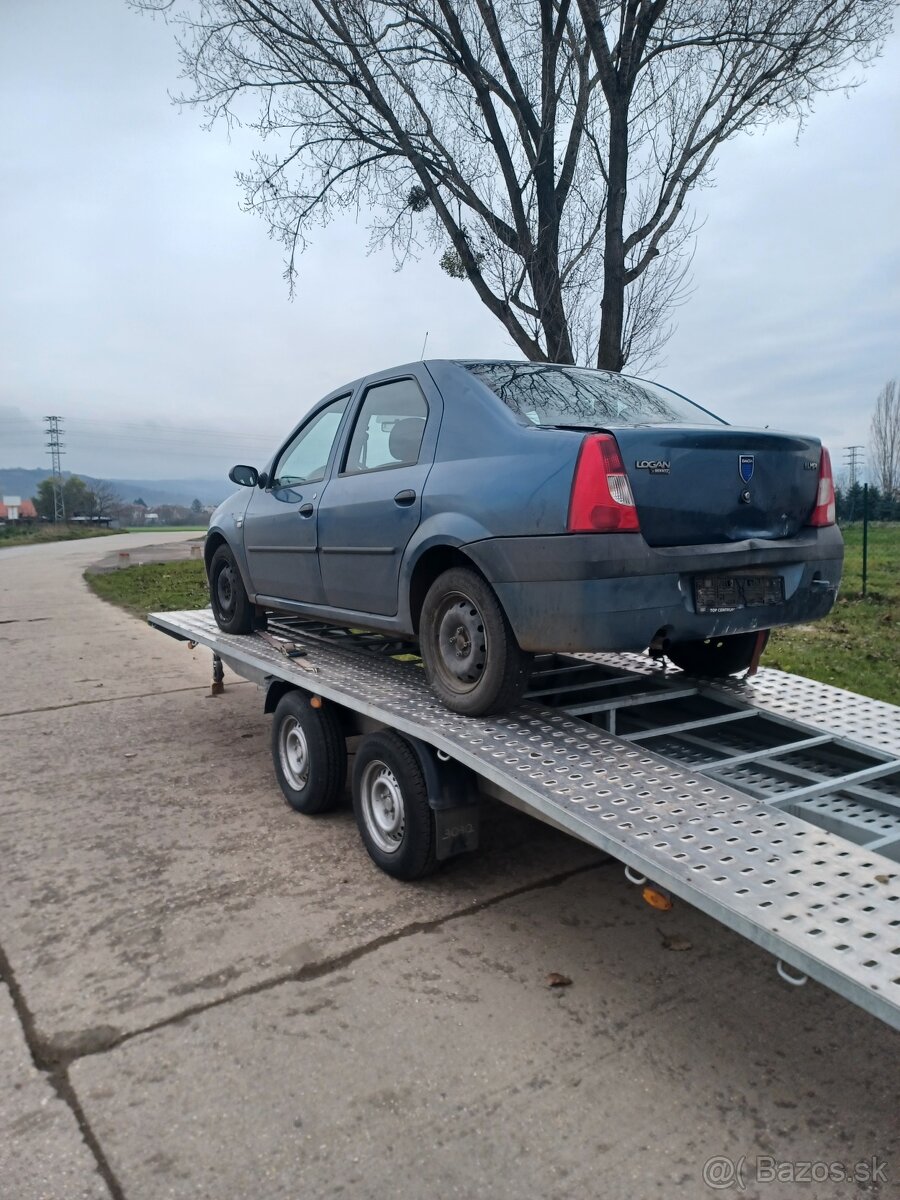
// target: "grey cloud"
[[137, 297]]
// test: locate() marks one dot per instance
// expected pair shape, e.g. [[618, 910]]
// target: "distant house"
[[151, 518], [14, 508], [104, 522]]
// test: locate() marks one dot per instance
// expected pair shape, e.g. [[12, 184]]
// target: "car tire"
[[390, 802], [716, 657], [227, 595], [471, 656], [309, 754]]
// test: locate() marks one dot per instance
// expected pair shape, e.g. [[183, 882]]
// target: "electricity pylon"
[[852, 456], [55, 446]]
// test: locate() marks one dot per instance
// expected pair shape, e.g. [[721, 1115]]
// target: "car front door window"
[[305, 460], [281, 520]]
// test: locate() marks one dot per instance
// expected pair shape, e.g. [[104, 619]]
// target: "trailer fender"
[[452, 797]]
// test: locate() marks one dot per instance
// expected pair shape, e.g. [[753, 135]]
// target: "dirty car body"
[[604, 512]]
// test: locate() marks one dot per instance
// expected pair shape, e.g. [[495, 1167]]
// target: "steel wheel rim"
[[462, 642], [293, 753], [225, 589], [383, 809]]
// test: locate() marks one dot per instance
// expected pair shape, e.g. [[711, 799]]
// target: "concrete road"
[[208, 995]]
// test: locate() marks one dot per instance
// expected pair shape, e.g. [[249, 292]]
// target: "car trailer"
[[771, 803]]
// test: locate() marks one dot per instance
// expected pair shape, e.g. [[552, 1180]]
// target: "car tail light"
[[601, 494], [823, 513]]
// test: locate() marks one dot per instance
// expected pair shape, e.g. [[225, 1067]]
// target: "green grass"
[[34, 535], [857, 646], [155, 587]]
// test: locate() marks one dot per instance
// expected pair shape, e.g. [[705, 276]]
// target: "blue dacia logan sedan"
[[493, 510]]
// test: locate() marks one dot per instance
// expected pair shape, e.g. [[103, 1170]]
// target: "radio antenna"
[[424, 344]]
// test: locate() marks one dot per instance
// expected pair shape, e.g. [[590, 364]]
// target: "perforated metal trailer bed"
[[772, 803]]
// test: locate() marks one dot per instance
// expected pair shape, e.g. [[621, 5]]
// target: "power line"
[[145, 426], [173, 435], [160, 428], [55, 446], [190, 446], [82, 445]]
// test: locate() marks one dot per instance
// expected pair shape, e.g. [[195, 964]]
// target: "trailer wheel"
[[717, 657], [227, 595], [390, 800], [309, 754]]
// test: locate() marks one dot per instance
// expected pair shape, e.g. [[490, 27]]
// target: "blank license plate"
[[726, 593]]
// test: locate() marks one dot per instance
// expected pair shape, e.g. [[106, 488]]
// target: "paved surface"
[[210, 996]]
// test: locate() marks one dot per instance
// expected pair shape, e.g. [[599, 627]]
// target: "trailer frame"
[[772, 804]]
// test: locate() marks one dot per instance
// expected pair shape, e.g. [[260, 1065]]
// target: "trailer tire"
[[390, 801], [227, 595], [716, 657], [309, 754]]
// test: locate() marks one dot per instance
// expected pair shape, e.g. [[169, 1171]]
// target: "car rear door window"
[[389, 428], [305, 460]]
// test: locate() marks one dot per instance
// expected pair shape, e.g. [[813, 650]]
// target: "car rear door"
[[373, 503], [280, 535]]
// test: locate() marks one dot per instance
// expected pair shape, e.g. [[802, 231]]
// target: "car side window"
[[306, 458], [389, 427]]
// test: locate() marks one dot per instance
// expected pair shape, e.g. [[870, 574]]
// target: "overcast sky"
[[140, 304]]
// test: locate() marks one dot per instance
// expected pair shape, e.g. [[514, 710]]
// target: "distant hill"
[[19, 481]]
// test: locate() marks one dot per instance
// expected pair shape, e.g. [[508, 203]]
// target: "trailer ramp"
[[771, 804]]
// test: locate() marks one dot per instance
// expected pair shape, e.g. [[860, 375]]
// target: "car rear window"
[[546, 394]]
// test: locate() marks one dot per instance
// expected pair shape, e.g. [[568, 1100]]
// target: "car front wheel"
[[471, 656], [717, 657], [227, 594]]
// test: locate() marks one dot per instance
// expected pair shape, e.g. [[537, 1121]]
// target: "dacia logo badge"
[[746, 467]]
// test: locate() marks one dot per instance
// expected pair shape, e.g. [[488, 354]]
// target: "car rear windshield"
[[574, 396]]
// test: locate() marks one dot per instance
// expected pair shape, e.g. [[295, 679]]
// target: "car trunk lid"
[[695, 485]]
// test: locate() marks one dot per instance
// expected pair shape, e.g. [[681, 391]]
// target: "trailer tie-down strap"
[[292, 650]]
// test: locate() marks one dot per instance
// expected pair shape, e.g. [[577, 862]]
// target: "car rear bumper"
[[614, 592]]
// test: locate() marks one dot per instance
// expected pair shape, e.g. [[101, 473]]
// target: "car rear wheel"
[[717, 657], [227, 595], [471, 656]]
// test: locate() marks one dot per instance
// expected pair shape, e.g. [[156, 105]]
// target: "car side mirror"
[[244, 475], [263, 479]]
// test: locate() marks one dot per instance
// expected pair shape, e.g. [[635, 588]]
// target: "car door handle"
[[305, 510], [405, 498]]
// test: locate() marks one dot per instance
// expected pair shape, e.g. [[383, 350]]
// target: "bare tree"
[[104, 499], [884, 437], [547, 149]]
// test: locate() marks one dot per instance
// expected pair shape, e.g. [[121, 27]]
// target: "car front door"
[[372, 505], [280, 536]]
